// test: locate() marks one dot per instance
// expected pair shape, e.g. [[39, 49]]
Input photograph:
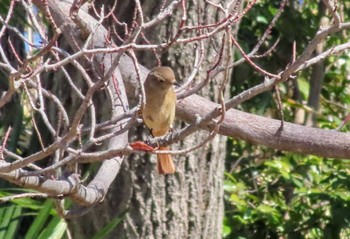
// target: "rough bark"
[[188, 204], [317, 75]]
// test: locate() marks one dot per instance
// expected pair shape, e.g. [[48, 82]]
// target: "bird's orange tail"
[[165, 163]]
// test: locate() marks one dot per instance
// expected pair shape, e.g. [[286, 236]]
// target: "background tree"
[[96, 56]]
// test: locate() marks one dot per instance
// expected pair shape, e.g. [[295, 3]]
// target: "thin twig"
[[4, 142], [22, 195]]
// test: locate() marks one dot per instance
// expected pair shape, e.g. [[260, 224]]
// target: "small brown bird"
[[159, 111]]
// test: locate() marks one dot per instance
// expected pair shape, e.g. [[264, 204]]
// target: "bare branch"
[[22, 195]]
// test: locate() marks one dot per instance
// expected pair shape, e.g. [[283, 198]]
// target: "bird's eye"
[[161, 80]]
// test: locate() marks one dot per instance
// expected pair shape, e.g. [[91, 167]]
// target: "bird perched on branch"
[[159, 110]]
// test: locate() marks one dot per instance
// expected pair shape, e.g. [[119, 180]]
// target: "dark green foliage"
[[288, 195], [271, 194]]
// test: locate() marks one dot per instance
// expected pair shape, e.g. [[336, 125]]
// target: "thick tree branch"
[[193, 109], [96, 189], [256, 129], [265, 131]]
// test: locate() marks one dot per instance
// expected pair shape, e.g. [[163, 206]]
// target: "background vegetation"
[[273, 194], [268, 193]]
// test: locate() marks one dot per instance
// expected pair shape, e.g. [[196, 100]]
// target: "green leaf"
[[241, 220], [10, 218], [14, 224], [304, 87], [262, 19], [266, 209], [226, 230], [40, 220], [55, 229], [229, 186], [111, 226]]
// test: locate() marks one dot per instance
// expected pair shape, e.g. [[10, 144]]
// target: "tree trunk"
[[188, 204], [318, 74]]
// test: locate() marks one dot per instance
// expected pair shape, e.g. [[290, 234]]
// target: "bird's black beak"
[[176, 84]]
